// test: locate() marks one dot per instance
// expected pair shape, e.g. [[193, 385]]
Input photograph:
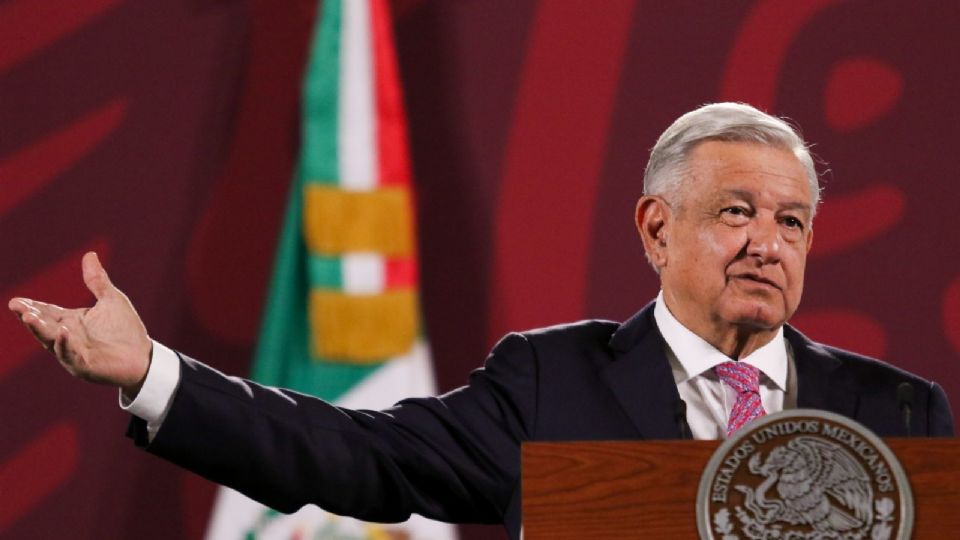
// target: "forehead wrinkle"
[[795, 205], [737, 193], [760, 170]]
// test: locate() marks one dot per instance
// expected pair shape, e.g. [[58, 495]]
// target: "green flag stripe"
[[321, 104], [325, 272], [283, 356], [284, 331], [329, 381]]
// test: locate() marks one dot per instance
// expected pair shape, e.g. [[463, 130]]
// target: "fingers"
[[40, 318], [20, 306], [43, 320], [94, 276], [60, 345], [43, 332], [67, 353], [37, 310]]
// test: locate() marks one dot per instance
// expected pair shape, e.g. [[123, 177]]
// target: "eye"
[[736, 211], [793, 223], [735, 215]]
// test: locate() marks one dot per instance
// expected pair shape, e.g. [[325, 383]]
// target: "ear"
[[653, 223], [809, 240]]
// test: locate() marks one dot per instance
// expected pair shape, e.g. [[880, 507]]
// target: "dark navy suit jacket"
[[457, 457]]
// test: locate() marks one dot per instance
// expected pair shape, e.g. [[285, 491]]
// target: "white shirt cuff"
[[155, 396]]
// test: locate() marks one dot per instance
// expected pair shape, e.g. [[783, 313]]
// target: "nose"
[[764, 240]]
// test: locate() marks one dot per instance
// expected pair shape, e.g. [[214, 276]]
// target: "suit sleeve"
[[452, 458], [939, 416]]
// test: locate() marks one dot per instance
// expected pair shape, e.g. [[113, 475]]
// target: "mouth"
[[758, 279]]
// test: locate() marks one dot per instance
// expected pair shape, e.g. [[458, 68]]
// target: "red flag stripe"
[[401, 273], [394, 166], [392, 137]]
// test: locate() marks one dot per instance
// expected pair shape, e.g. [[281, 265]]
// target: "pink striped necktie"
[[745, 380]]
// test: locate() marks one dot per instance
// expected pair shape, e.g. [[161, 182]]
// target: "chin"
[[760, 317]]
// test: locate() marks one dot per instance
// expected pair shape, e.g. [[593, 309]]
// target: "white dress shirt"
[[692, 360], [155, 396], [709, 401]]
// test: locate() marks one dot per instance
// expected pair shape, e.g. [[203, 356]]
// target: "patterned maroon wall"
[[161, 133]]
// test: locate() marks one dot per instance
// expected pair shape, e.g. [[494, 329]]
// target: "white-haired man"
[[726, 219]]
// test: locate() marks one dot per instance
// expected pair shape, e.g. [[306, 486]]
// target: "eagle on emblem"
[[818, 482]]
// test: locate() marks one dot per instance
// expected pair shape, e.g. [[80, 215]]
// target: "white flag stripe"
[[357, 134], [410, 375], [235, 515], [363, 273]]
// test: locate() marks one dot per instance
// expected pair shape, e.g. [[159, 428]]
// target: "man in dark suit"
[[730, 194]]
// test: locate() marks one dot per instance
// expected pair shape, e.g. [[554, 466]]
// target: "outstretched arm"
[[106, 343]]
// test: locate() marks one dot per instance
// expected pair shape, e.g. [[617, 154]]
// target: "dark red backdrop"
[[161, 133]]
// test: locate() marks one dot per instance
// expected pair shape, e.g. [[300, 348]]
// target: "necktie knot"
[[745, 380], [740, 376]]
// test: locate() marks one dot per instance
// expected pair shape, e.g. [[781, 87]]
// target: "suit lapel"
[[641, 379], [820, 382]]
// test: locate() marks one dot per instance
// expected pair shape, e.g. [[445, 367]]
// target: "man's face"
[[737, 239]]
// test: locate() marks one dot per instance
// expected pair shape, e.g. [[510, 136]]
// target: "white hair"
[[730, 122]]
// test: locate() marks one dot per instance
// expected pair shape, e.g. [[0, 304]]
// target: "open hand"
[[106, 343]]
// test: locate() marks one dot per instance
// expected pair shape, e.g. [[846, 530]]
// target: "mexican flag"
[[342, 319]]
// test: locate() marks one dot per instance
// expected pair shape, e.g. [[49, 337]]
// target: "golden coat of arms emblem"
[[804, 475]]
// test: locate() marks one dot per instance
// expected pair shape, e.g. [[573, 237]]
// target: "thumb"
[[94, 276]]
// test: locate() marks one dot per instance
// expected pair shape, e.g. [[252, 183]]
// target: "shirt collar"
[[696, 356]]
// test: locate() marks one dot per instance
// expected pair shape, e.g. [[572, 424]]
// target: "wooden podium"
[[588, 490]]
